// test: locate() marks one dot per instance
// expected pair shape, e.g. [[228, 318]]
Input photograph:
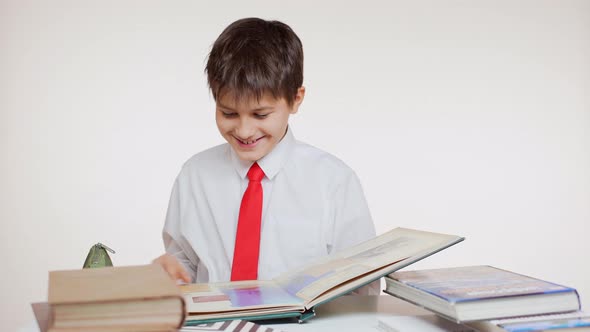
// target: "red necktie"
[[245, 264]]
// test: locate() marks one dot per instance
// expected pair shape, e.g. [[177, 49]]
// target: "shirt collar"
[[272, 163]]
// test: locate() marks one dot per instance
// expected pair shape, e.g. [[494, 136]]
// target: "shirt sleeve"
[[352, 223], [174, 242]]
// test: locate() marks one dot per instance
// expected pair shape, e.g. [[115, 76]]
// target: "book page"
[[360, 262], [236, 296]]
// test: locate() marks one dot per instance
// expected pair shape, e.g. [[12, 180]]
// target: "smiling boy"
[[263, 203]]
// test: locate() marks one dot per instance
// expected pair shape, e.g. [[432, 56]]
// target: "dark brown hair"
[[252, 57]]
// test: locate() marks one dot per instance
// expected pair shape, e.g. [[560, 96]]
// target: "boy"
[[263, 203]]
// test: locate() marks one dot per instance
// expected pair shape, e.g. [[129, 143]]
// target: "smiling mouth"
[[248, 142]]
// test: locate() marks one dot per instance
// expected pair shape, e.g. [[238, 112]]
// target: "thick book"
[[127, 298], [295, 293], [483, 292]]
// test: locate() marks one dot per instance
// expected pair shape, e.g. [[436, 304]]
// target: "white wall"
[[465, 117]]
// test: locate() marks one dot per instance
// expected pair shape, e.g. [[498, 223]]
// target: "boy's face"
[[254, 127]]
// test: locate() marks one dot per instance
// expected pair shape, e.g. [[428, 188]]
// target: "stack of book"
[[144, 298], [130, 298], [483, 293]]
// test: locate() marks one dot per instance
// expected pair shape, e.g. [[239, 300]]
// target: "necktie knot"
[[255, 173]]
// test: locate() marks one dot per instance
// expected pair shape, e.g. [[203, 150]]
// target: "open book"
[[296, 293]]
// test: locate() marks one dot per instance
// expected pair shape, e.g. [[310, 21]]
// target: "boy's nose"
[[245, 130]]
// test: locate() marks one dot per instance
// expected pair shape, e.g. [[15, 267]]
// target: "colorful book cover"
[[473, 283], [229, 326]]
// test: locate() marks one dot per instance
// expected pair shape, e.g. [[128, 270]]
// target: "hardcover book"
[[480, 293], [128, 298], [295, 293]]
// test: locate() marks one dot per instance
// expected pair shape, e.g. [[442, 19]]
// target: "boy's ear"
[[298, 99]]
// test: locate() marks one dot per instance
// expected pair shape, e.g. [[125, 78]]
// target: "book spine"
[[183, 312], [452, 319]]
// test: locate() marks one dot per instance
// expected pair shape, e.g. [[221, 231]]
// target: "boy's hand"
[[173, 267]]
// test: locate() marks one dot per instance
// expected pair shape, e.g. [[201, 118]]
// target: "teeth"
[[248, 142]]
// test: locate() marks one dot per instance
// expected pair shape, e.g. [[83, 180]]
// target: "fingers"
[[174, 269], [184, 276]]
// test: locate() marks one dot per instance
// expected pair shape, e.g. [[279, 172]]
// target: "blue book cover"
[[472, 283]]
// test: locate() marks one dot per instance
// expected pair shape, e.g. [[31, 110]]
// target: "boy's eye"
[[260, 116]]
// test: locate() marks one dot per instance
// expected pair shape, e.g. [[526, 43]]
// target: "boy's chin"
[[250, 156]]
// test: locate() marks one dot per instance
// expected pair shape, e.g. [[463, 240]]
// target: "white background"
[[465, 117]]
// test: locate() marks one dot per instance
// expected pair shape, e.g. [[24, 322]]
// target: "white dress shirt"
[[313, 204]]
